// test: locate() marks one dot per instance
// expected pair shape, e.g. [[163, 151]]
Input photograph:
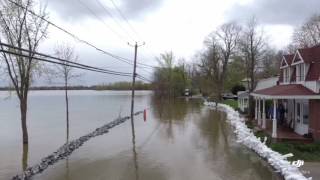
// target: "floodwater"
[[181, 139]]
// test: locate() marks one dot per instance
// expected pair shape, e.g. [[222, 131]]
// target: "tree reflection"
[[219, 143], [168, 109], [173, 110], [67, 158]]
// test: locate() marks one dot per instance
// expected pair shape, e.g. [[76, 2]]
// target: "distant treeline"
[[111, 86], [124, 86]]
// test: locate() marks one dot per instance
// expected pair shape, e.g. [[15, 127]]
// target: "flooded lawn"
[[180, 139]]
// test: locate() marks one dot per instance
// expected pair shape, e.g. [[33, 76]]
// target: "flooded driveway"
[[180, 140]]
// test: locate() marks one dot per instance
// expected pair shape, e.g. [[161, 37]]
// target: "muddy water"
[[180, 140]]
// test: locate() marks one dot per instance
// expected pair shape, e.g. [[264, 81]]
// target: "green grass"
[[231, 102], [249, 124], [261, 135], [301, 151], [306, 152]]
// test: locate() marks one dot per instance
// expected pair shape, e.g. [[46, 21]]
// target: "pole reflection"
[[135, 154], [67, 175], [25, 154]]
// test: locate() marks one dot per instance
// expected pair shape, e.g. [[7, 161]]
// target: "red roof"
[[289, 58], [314, 72], [310, 54], [286, 90]]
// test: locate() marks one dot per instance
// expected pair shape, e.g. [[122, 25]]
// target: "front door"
[[302, 117]]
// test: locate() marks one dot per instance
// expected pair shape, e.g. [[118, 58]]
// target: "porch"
[[284, 133], [286, 116]]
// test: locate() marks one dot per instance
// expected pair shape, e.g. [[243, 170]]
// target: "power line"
[[74, 36], [95, 15], [114, 19], [62, 61], [59, 63], [127, 21], [100, 19], [141, 68], [124, 18], [122, 59], [54, 62], [143, 78], [59, 59]]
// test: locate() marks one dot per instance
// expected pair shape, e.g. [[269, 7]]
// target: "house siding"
[[281, 76], [293, 75], [315, 118]]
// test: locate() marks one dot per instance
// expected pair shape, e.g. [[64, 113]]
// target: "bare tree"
[[227, 36], [271, 62], [252, 46], [220, 47], [308, 34], [66, 73], [210, 66], [20, 29]]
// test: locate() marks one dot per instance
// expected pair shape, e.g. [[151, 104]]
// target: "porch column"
[[242, 104], [274, 120], [256, 110], [264, 114], [259, 111]]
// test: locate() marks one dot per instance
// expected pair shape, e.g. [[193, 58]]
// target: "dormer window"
[[300, 72], [286, 75]]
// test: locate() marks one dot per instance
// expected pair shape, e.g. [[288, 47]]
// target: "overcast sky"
[[165, 25]]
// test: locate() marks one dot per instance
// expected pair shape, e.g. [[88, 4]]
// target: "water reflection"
[[25, 154], [135, 154], [225, 155], [169, 109], [67, 176], [173, 111], [180, 140]]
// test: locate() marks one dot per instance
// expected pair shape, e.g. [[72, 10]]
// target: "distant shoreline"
[[117, 86], [79, 88]]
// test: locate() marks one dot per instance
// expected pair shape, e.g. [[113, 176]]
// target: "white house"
[[243, 96], [296, 96]]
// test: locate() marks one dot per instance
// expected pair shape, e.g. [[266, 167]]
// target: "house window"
[[305, 113], [300, 72], [298, 112], [286, 75]]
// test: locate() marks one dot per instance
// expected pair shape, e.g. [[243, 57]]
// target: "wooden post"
[[274, 120], [264, 114], [259, 111], [256, 109]]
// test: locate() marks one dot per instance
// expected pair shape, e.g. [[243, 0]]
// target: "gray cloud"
[[290, 12], [138, 7], [75, 9]]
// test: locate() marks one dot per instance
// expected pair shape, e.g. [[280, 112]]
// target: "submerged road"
[[180, 140]]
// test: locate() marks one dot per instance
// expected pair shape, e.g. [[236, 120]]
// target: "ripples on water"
[[180, 140]]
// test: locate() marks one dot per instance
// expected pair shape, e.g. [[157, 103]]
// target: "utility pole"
[[134, 81]]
